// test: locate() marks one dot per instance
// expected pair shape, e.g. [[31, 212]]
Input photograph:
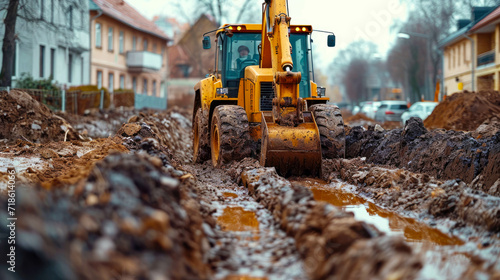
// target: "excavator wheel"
[[201, 143], [229, 135], [331, 130]]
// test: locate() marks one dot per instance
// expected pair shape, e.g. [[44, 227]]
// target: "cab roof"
[[256, 28]]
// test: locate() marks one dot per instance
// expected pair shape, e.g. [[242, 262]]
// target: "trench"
[[444, 256]]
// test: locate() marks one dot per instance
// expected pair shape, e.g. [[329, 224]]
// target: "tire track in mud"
[[247, 243]]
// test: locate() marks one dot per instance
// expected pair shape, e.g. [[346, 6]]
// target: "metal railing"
[[486, 58]]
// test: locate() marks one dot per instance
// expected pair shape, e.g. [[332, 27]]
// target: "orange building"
[[128, 51]]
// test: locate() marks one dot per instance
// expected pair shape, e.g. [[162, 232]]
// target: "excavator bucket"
[[293, 151]]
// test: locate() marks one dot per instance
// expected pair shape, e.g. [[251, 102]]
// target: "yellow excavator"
[[261, 100]]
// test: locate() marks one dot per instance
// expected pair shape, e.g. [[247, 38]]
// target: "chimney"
[[462, 23], [479, 12]]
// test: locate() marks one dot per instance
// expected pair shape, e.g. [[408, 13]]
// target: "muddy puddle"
[[238, 219], [445, 256]]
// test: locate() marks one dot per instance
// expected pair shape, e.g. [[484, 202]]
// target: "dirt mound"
[[358, 117], [465, 110], [22, 117], [132, 218], [166, 132], [438, 153]]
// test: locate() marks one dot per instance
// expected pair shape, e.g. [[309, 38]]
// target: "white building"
[[54, 42]]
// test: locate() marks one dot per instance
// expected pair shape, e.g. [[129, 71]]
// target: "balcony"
[[142, 61], [486, 58]]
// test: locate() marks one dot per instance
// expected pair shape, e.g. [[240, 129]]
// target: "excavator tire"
[[331, 130], [229, 135], [201, 143]]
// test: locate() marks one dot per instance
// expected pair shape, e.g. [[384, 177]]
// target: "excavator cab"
[[261, 100]]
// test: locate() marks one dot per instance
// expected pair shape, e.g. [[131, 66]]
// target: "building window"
[[110, 82], [110, 39], [98, 35], [42, 9], [154, 47], [52, 62], [134, 43], [145, 45], [121, 39], [134, 84], [42, 60], [122, 81], [70, 68], [145, 86], [51, 11], [154, 88], [99, 79], [70, 17]]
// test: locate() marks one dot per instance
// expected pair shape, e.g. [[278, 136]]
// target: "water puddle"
[[445, 256], [19, 163], [238, 219], [230, 195]]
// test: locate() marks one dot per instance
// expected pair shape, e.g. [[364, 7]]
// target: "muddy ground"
[[121, 199]]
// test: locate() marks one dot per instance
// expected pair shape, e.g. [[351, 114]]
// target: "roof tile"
[[121, 11]]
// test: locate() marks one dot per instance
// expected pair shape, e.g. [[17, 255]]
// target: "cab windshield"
[[243, 51]]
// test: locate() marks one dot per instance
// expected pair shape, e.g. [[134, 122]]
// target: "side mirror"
[[331, 40], [206, 43]]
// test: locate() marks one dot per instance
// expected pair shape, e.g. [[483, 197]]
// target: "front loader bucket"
[[293, 151]]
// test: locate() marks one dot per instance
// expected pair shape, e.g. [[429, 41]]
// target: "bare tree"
[[222, 11], [350, 69], [31, 14], [9, 43]]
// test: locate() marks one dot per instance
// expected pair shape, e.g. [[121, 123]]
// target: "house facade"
[[128, 51], [470, 55], [52, 41]]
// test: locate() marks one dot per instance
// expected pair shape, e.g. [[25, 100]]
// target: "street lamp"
[[407, 36]]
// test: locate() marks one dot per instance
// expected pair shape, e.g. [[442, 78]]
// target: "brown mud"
[[441, 250], [332, 243], [439, 153], [134, 206]]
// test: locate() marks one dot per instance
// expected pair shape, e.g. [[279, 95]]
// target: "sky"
[[350, 21]]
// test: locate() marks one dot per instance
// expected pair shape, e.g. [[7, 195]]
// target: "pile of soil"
[[131, 218], [438, 153], [358, 117], [165, 132], [465, 110], [24, 118]]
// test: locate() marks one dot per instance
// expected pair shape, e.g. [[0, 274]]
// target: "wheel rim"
[[215, 145]]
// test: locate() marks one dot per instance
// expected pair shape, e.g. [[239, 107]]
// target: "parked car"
[[355, 110], [420, 110], [390, 111], [369, 108]]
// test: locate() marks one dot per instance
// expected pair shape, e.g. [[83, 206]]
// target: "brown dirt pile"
[[133, 218], [401, 190], [465, 110], [438, 153], [24, 118], [332, 243], [358, 117], [168, 132]]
